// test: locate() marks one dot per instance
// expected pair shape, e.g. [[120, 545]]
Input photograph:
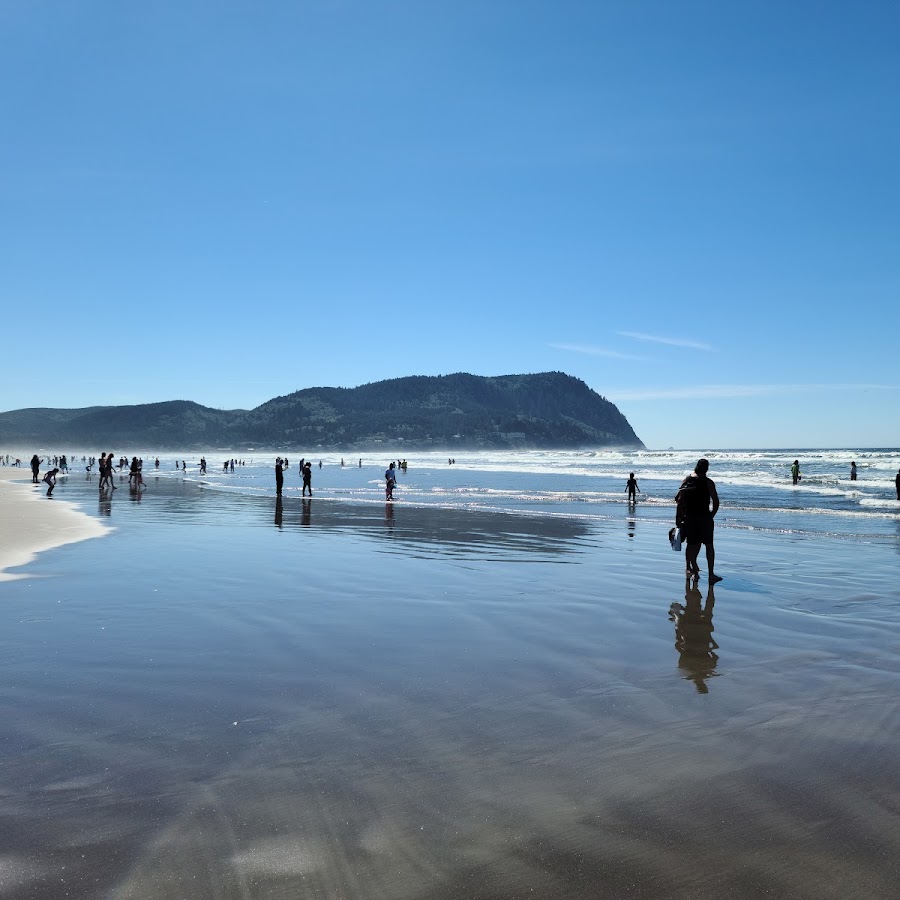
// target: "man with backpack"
[[695, 518]]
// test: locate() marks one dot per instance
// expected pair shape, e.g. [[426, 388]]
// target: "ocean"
[[754, 486]]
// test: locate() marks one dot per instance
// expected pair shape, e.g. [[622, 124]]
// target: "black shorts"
[[698, 531]]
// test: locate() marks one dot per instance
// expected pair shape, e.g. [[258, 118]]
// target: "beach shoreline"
[[29, 526]]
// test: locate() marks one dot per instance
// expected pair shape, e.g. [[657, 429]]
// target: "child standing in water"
[[631, 486]]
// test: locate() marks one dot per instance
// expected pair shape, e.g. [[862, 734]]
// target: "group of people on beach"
[[281, 463], [106, 465], [305, 474]]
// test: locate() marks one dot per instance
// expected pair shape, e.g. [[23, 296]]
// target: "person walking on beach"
[[631, 486], [50, 480], [390, 480], [279, 476], [35, 468], [695, 518], [795, 471], [853, 471], [307, 479]]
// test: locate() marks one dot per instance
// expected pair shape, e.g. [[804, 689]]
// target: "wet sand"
[[239, 698], [31, 524]]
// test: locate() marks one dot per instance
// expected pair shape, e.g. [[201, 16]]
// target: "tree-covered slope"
[[510, 411], [176, 423]]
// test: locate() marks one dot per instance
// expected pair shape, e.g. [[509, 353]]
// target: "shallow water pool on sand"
[[232, 697]]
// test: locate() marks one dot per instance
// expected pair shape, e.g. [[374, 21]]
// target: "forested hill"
[[548, 410]]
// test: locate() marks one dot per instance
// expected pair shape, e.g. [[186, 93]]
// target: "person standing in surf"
[[279, 476], [631, 486], [306, 471], [853, 471], [795, 471], [390, 480], [695, 518]]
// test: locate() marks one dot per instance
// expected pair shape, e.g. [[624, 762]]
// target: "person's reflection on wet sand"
[[105, 506], [305, 512], [693, 635], [389, 515], [279, 510], [631, 522]]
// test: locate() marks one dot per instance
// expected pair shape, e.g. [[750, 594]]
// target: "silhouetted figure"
[[307, 480], [279, 476], [897, 483], [695, 518], [853, 471], [35, 469], [50, 480], [109, 470], [631, 486], [795, 471]]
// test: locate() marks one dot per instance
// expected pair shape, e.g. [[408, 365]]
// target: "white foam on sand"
[[31, 524]]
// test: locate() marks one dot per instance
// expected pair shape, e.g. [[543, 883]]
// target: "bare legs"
[[690, 559], [693, 570]]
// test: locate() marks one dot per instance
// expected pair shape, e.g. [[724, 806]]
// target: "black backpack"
[[693, 497]]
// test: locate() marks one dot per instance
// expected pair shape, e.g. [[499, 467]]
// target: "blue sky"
[[693, 207]]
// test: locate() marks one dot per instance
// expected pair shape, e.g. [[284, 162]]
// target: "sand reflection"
[[697, 657]]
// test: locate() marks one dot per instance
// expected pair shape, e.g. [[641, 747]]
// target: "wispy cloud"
[[597, 351], [726, 391], [671, 341]]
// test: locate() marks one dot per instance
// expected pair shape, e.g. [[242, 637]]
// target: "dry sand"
[[30, 524]]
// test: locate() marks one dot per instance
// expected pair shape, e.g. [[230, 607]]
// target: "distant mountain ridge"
[[546, 410]]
